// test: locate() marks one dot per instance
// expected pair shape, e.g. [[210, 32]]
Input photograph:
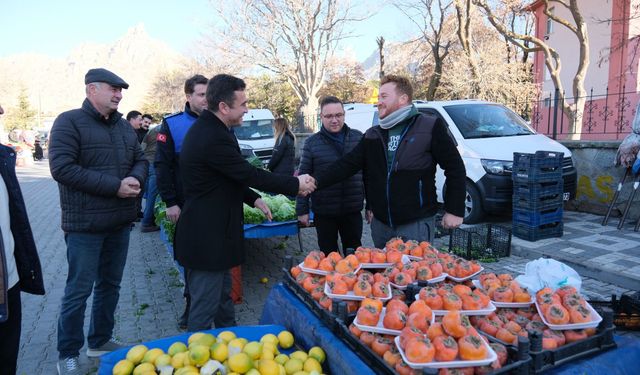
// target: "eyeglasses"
[[336, 116]]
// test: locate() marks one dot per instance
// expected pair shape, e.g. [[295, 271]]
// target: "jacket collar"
[[188, 110], [93, 112]]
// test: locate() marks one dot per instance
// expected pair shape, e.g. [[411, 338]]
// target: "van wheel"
[[473, 212]]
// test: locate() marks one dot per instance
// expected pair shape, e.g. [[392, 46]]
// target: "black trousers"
[[10, 333], [349, 227]]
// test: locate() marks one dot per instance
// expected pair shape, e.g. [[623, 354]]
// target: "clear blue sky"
[[55, 27]]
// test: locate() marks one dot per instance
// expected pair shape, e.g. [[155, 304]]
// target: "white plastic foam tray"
[[595, 320], [380, 327], [461, 279], [352, 297], [430, 281], [491, 356], [319, 272], [405, 259], [511, 305], [486, 311]]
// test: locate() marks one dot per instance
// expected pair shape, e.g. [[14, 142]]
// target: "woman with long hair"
[[282, 159]]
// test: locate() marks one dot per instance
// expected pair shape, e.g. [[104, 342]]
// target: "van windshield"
[[487, 121], [254, 129]]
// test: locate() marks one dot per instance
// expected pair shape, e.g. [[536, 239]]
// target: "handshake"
[[307, 185]]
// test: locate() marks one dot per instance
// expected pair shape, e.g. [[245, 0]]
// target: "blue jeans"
[[151, 191], [96, 263]]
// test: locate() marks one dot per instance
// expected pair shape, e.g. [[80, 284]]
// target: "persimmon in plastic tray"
[[316, 271], [405, 259], [350, 296], [595, 320], [485, 311], [429, 281], [510, 305], [379, 328], [461, 279], [491, 356]]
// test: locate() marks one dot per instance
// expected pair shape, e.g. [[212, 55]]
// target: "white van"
[[360, 116], [255, 135]]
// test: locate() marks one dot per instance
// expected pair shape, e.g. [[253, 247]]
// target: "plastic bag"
[[630, 146], [544, 272]]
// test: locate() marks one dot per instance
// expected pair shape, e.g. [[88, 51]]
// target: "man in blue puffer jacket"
[[336, 208]]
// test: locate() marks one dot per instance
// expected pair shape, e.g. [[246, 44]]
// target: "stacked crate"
[[537, 195]]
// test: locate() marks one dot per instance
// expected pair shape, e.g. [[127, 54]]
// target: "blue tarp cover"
[[271, 229]]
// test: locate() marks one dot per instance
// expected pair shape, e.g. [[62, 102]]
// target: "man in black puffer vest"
[[336, 208], [96, 159]]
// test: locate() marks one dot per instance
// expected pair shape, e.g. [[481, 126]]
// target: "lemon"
[[317, 353], [206, 339], [199, 355], [300, 355], [194, 337], [281, 368], [293, 365], [240, 363], [151, 355], [187, 370], [264, 280], [285, 338], [176, 347], [162, 360], [236, 345], [252, 371], [177, 361], [143, 367], [312, 364], [281, 358], [266, 354], [269, 367], [219, 351], [123, 367], [273, 348], [136, 353], [301, 373], [226, 336], [253, 349], [269, 337]]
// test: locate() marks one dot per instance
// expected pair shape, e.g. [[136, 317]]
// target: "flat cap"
[[103, 75]]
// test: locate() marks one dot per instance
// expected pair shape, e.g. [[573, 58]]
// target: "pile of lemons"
[[225, 354]]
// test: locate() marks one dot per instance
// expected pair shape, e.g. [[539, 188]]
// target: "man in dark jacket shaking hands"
[[217, 179], [399, 159], [95, 157]]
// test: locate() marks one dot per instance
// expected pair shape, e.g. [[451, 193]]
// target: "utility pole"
[[380, 41]]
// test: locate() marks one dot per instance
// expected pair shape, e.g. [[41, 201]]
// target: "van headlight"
[[499, 167], [246, 150]]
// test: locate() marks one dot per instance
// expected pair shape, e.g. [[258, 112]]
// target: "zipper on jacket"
[[420, 193]]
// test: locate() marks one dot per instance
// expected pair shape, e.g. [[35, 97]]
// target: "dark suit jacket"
[[216, 180]]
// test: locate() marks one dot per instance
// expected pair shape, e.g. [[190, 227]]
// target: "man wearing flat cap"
[[95, 157]]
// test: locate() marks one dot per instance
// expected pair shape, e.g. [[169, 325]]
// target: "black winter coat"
[[406, 193], [345, 197], [216, 180], [88, 157], [283, 158], [27, 260]]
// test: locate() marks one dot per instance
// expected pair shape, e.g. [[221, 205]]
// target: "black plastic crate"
[[537, 232], [486, 241], [542, 360], [537, 196], [626, 311], [539, 167], [538, 217]]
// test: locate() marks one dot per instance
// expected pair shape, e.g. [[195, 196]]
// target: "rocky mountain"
[[55, 85]]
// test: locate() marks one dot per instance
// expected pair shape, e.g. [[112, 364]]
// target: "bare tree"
[[463, 14], [291, 38], [430, 21], [380, 41], [578, 26]]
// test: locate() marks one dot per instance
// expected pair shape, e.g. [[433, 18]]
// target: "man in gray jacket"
[[96, 159]]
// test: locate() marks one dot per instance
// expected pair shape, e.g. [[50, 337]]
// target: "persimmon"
[[503, 294], [402, 368], [393, 243], [434, 301], [472, 348], [363, 257], [522, 296], [402, 279], [501, 351], [417, 251], [436, 269], [365, 275], [317, 293], [451, 302], [394, 319], [368, 315], [352, 260], [378, 256], [391, 272], [490, 327], [446, 348], [545, 290], [310, 283], [378, 277], [397, 305], [393, 256], [506, 336], [590, 331], [326, 302], [505, 278], [301, 277], [367, 338], [420, 350], [457, 371], [354, 330], [534, 326], [549, 343], [556, 335], [376, 303], [471, 302], [461, 290], [424, 273], [427, 290], [380, 289], [419, 320], [580, 314], [352, 306], [343, 266], [527, 312], [420, 306], [565, 290], [408, 333], [521, 320], [362, 288], [445, 288], [573, 335], [435, 330], [392, 356], [513, 327], [311, 261], [339, 287], [484, 298], [380, 345], [398, 294], [557, 314], [452, 324], [295, 271]]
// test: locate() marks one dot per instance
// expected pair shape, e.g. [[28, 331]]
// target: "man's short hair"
[[403, 84], [222, 88], [146, 115], [329, 100], [133, 114], [190, 84]]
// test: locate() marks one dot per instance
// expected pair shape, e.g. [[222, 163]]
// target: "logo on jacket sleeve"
[[161, 138]]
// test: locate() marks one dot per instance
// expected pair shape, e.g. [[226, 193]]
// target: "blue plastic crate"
[[537, 196], [537, 232], [539, 167], [538, 217]]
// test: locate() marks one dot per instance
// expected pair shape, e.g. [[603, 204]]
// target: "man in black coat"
[[96, 159], [19, 263], [337, 208], [216, 179]]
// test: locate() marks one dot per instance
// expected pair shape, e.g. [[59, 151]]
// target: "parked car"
[[360, 116], [255, 136]]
